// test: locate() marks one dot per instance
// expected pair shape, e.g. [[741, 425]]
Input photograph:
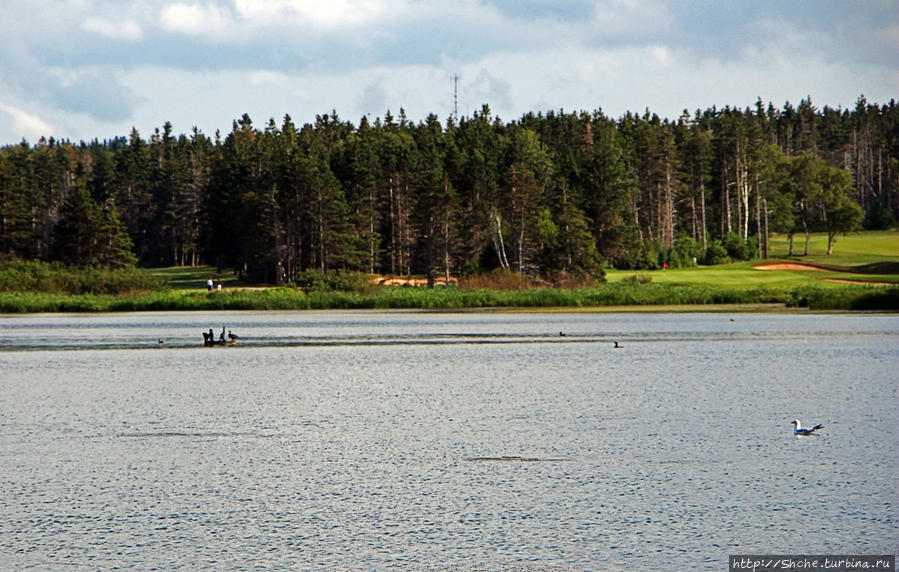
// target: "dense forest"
[[551, 195]]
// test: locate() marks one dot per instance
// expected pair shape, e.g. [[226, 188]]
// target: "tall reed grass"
[[614, 294], [855, 297]]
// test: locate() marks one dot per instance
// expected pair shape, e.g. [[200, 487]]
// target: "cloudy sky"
[[85, 69]]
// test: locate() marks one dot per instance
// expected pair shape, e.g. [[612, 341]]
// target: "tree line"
[[551, 195]]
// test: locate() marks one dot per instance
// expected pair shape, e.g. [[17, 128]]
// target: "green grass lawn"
[[193, 278], [854, 250], [742, 275], [737, 275]]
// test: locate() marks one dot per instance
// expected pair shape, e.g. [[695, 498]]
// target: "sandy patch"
[[393, 281], [865, 282], [804, 267], [787, 266]]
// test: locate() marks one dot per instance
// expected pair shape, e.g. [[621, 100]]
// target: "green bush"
[[878, 300], [715, 253], [36, 276], [856, 297], [334, 281], [637, 279], [738, 248], [684, 253], [497, 279]]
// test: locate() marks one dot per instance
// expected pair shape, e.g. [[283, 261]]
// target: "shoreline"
[[615, 297], [760, 308]]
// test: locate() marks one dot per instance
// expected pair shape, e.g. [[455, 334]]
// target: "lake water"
[[444, 441]]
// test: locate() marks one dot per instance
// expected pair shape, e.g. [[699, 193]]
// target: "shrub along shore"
[[849, 297]]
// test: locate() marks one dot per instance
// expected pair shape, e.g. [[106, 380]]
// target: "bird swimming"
[[616, 346], [798, 430]]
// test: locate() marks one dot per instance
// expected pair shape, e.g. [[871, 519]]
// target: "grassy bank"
[[617, 294]]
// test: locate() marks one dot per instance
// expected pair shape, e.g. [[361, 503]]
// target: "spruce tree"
[[76, 236]]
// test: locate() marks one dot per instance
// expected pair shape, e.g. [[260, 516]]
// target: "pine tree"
[[134, 194], [356, 164], [434, 196], [334, 240], [575, 244], [114, 246], [15, 214], [76, 236]]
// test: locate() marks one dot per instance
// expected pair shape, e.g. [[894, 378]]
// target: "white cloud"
[[630, 17], [253, 18], [372, 99], [490, 87], [661, 55], [207, 21], [267, 77], [206, 62], [125, 30], [318, 13], [24, 124]]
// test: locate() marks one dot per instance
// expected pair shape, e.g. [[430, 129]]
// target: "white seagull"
[[798, 430]]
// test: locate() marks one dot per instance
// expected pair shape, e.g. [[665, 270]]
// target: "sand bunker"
[[393, 281], [787, 266], [799, 266], [863, 282]]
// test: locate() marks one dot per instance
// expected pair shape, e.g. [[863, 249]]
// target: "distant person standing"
[[209, 284]]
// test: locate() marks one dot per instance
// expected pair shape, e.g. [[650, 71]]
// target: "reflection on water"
[[373, 440]]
